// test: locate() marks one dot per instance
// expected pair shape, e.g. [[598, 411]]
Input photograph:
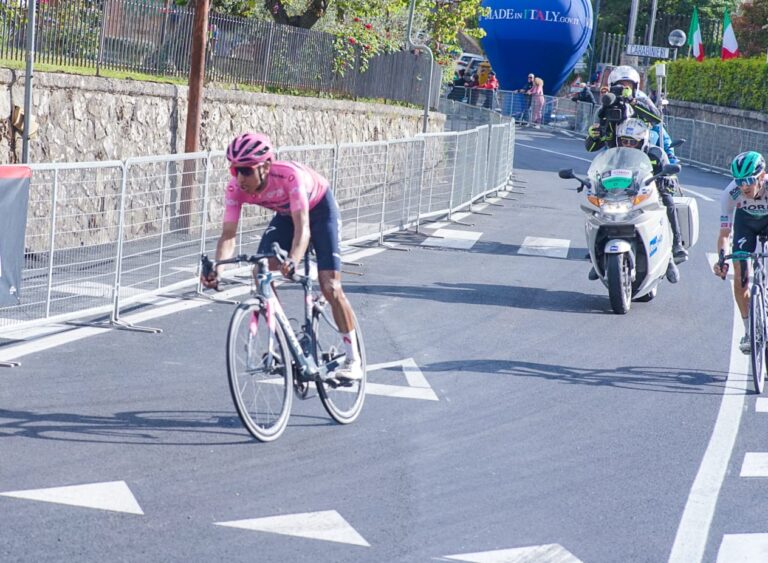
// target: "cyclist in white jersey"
[[744, 210]]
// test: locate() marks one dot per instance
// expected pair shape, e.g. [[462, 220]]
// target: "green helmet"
[[747, 164]]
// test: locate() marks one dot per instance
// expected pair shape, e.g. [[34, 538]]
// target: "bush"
[[737, 83]]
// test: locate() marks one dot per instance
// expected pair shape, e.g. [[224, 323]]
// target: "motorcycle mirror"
[[671, 169], [676, 143], [566, 174]]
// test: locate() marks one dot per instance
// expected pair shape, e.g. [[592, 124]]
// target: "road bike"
[[758, 328], [268, 361]]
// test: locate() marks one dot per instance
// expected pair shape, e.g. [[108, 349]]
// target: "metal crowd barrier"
[[103, 236], [550, 112], [711, 145]]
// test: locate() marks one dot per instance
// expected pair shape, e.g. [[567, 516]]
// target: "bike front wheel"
[[343, 403], [757, 336], [260, 371]]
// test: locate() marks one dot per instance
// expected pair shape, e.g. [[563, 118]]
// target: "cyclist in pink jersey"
[[305, 209]]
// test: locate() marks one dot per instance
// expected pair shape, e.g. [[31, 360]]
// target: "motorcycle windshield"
[[615, 172]]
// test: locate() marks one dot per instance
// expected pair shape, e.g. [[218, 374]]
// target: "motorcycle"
[[627, 230]]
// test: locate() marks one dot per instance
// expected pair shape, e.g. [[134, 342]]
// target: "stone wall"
[[88, 118], [733, 117]]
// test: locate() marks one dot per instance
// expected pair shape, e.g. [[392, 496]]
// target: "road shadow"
[[519, 297], [655, 379], [154, 428]]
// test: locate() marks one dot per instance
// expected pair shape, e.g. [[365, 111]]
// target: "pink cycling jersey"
[[290, 187]]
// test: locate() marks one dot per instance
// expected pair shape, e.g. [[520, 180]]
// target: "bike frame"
[[306, 361]]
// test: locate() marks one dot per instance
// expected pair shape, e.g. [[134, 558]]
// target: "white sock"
[[745, 320], [350, 345]]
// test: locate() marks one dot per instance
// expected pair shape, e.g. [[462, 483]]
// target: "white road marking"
[[755, 465], [418, 387], [697, 194], [32, 332], [114, 496], [327, 525], [761, 404], [743, 548], [541, 246], [549, 553], [691, 538], [553, 152], [95, 289], [450, 238]]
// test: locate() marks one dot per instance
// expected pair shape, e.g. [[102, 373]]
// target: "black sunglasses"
[[244, 170]]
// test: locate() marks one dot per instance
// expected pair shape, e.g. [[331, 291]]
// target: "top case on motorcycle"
[[688, 215]]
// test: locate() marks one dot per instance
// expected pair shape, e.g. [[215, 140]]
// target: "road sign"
[[648, 51]]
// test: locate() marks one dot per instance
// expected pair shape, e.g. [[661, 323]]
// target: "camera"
[[614, 109]]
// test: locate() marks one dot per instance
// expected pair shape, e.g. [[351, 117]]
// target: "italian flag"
[[694, 37], [730, 47]]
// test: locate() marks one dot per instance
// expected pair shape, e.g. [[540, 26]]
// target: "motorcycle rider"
[[743, 208], [624, 99], [633, 133]]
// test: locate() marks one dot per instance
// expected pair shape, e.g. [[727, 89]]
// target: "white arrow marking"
[[418, 387], [743, 548], [114, 496], [327, 525], [549, 553]]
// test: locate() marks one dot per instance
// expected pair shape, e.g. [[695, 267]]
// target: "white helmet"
[[624, 72], [633, 133]]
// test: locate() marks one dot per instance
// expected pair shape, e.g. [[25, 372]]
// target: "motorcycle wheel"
[[619, 282]]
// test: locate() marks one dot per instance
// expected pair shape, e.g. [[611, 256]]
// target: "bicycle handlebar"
[[208, 267]]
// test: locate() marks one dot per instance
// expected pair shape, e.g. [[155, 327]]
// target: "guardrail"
[[102, 236]]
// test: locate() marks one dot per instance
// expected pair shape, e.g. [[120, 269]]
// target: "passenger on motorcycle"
[[743, 209], [628, 101], [633, 133]]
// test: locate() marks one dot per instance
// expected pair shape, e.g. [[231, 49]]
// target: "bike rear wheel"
[[260, 371], [757, 336], [343, 403]]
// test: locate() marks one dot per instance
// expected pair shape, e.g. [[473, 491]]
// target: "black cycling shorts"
[[324, 233], [746, 228]]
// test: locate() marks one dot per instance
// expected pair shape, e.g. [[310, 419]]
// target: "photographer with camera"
[[623, 100]]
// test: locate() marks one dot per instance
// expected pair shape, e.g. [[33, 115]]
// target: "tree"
[[750, 25]]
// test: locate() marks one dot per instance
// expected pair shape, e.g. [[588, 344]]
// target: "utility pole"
[[194, 109], [32, 11]]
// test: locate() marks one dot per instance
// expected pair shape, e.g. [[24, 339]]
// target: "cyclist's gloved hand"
[[594, 132], [721, 268], [288, 267], [208, 276], [210, 282]]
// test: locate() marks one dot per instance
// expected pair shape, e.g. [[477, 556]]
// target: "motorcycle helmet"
[[633, 133]]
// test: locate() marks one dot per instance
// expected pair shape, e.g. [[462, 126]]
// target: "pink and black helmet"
[[250, 149]]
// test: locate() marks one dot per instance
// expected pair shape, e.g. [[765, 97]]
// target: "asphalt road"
[[556, 423]]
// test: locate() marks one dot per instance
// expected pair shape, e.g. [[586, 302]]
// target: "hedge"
[[737, 83]]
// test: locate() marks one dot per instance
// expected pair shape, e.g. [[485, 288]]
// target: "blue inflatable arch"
[[543, 37]]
